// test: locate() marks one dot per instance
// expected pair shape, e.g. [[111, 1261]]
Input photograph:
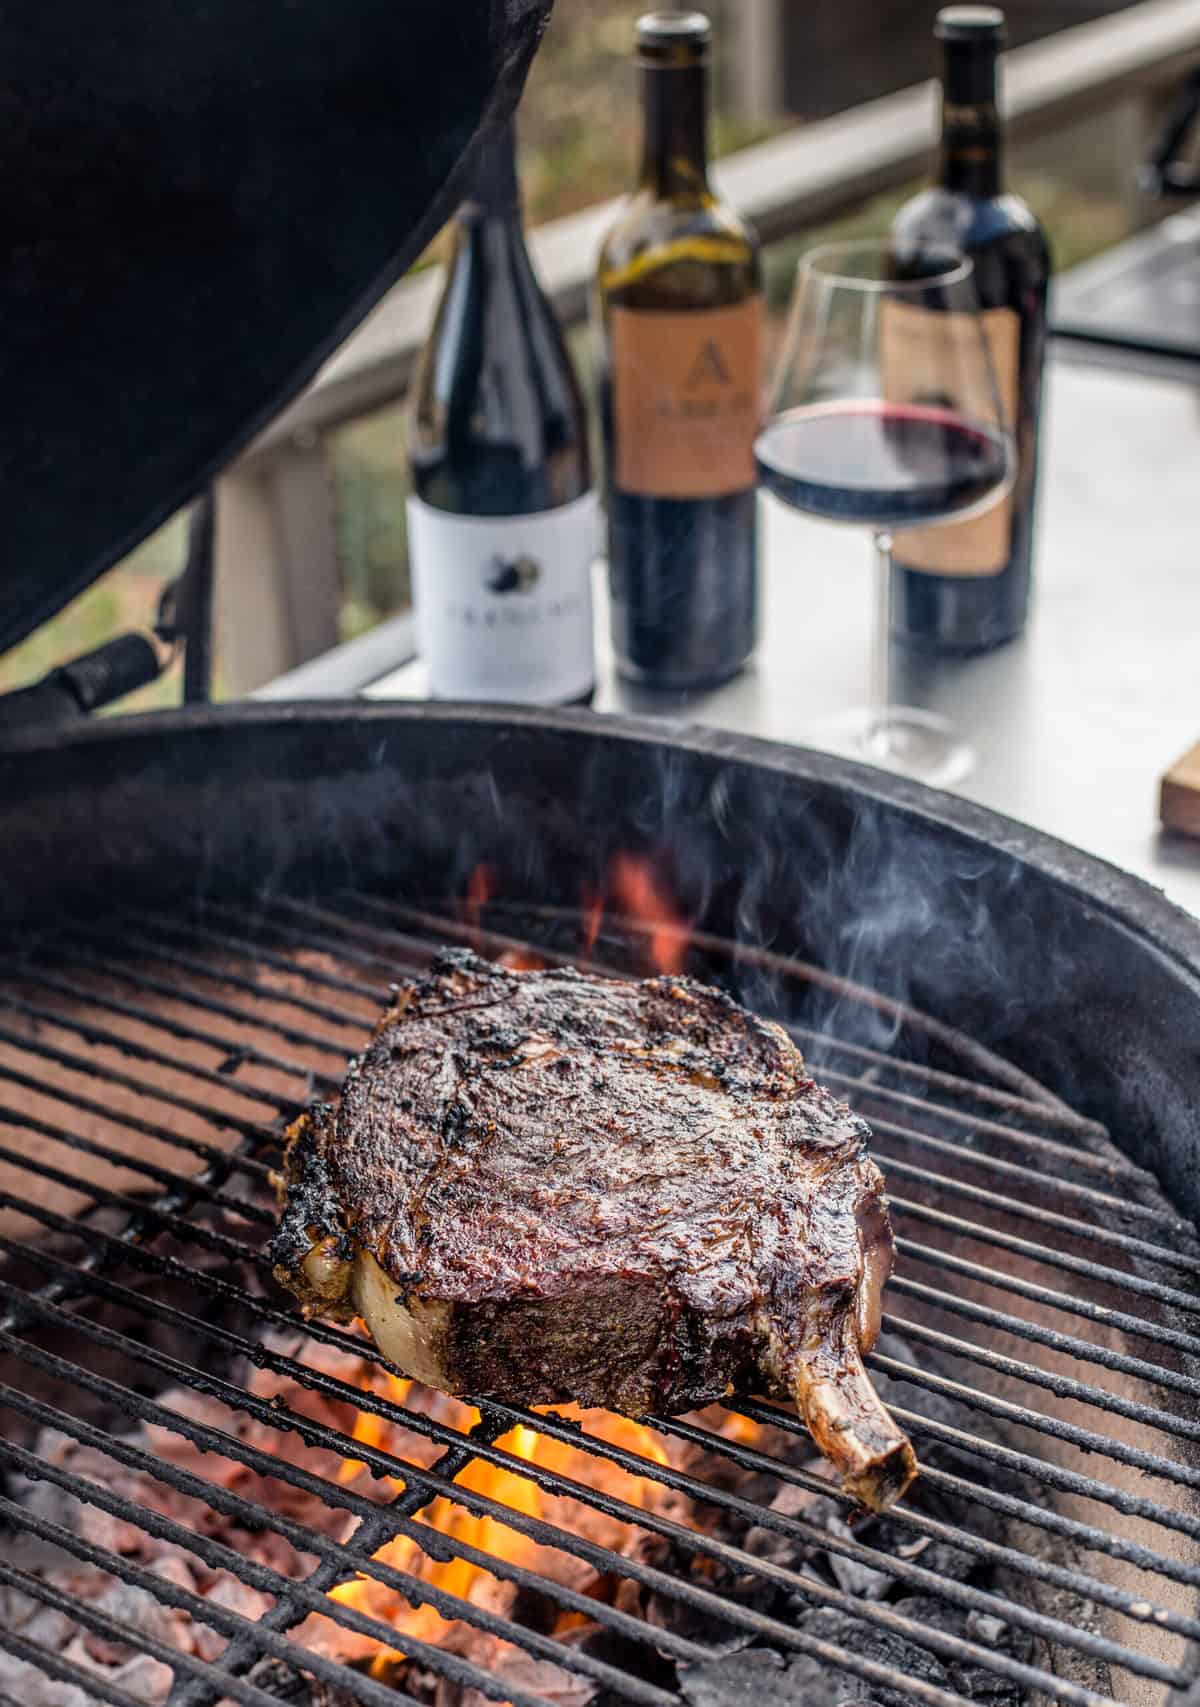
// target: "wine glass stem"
[[881, 650]]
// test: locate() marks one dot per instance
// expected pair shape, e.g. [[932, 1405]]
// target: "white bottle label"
[[504, 603]]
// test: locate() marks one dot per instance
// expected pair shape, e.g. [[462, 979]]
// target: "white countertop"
[[1074, 723]]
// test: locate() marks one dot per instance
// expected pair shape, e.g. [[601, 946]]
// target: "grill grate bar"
[[211, 1153], [1086, 1350], [131, 1046], [699, 1599], [70, 949], [979, 1493], [1076, 1582], [133, 1163], [262, 1577], [92, 1683], [1041, 1149], [1102, 1202], [994, 1201], [150, 1213], [312, 942], [76, 954], [1071, 1481], [1066, 1260], [241, 1052], [347, 1555], [318, 1381], [219, 1119], [419, 948], [948, 1262], [118, 1040], [1006, 1457], [115, 1630], [974, 1090], [1086, 1439], [206, 936], [371, 1533], [1062, 1386], [809, 1588]]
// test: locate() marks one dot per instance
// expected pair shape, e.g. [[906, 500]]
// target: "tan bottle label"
[[912, 341], [686, 399]]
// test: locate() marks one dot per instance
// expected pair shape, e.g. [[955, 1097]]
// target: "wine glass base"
[[899, 738]]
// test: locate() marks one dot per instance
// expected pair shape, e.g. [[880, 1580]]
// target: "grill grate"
[[1032, 1253]]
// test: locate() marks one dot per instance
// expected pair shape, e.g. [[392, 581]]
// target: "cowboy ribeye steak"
[[539, 1186]]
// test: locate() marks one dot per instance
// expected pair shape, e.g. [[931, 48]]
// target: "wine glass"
[[886, 412]]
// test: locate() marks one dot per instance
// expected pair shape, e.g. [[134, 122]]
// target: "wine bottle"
[[965, 587], [503, 523], [678, 306]]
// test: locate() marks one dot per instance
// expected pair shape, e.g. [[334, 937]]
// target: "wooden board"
[[1179, 799]]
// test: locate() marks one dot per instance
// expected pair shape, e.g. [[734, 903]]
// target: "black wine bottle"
[[503, 523], [965, 587], [679, 316]]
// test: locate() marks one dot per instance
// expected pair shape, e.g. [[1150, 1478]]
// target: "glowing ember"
[[521, 960]]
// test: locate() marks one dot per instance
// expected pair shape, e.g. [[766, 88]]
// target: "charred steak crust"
[[541, 1186]]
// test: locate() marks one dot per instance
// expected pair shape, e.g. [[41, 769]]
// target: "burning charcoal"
[[974, 1681], [789, 1501], [681, 1619], [551, 1683], [869, 1642], [295, 1688], [145, 1678], [42, 1624], [766, 1678], [986, 1628], [24, 1683], [851, 1574]]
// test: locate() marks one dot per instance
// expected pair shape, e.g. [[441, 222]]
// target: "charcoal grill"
[[202, 914]]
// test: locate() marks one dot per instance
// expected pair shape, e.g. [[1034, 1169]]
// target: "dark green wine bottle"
[[965, 587], [679, 316], [502, 525]]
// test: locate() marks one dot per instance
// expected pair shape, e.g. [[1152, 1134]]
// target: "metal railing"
[[276, 536]]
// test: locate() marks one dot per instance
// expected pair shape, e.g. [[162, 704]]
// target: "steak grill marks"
[[175, 1043]]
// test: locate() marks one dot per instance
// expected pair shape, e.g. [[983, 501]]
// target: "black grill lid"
[[198, 201]]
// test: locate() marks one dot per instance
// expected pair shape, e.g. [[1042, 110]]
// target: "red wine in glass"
[[885, 412], [889, 465]]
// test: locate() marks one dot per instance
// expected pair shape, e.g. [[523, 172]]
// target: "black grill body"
[[1020, 1023]]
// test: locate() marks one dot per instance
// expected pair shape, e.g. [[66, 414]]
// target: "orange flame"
[[593, 916], [507, 1487], [642, 899], [481, 886]]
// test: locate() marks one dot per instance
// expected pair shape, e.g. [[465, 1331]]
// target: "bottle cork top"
[[983, 26], [673, 37]]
